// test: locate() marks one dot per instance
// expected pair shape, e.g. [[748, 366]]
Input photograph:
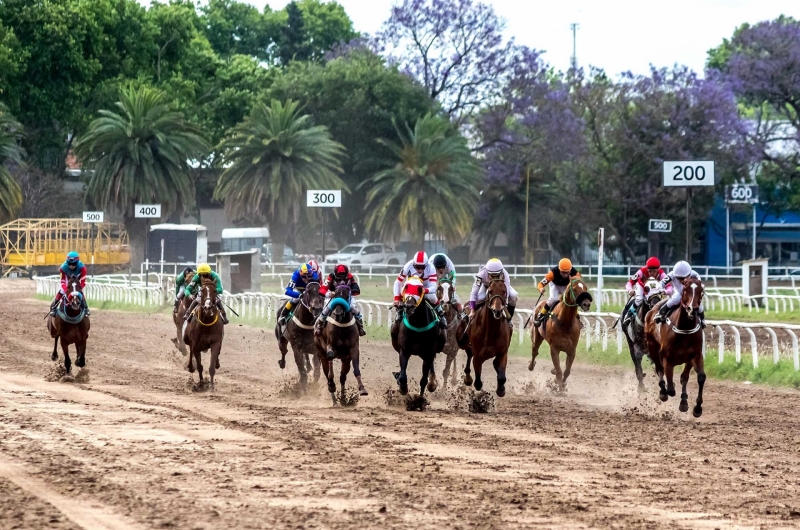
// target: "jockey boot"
[[287, 309], [85, 307], [222, 312], [319, 325], [175, 305], [440, 314], [188, 316], [360, 324], [662, 313], [54, 307], [542, 315], [511, 309], [702, 317]]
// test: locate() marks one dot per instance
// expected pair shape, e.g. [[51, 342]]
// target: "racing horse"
[[487, 336], [416, 331], [70, 326], [562, 330], [204, 331], [340, 340], [299, 332], [679, 340], [633, 326], [177, 319], [444, 293]]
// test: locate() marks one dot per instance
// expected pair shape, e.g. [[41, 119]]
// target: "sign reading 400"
[[148, 211], [683, 173], [324, 198]]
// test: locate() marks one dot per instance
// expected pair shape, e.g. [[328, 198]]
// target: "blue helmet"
[[73, 258]]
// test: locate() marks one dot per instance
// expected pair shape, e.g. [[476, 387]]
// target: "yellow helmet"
[[565, 265], [203, 268]]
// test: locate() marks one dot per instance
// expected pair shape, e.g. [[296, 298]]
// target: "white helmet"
[[420, 259], [494, 266], [682, 269]]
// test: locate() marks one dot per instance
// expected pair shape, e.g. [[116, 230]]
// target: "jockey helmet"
[[73, 258], [420, 260], [565, 265], [341, 272], [204, 268], [682, 269], [314, 266], [439, 261], [305, 270], [653, 263], [187, 271], [495, 268]]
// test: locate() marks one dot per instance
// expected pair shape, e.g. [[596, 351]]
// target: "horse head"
[[578, 294], [444, 293], [208, 298], [341, 302], [692, 296], [312, 299], [74, 293], [496, 297], [653, 292]]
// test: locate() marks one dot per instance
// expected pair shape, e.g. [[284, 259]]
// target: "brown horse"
[[70, 326], [562, 330], [205, 331], [340, 340], [488, 335], [299, 332], [177, 319], [444, 293], [679, 340]]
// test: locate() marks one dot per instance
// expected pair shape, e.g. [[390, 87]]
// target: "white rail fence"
[[597, 326]]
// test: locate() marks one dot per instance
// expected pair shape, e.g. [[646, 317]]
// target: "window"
[[373, 249]]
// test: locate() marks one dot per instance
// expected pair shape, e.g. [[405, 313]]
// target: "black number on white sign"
[[147, 210], [324, 198], [689, 173]]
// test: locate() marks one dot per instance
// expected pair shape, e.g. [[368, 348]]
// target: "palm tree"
[[10, 151], [271, 159], [141, 153], [430, 185]]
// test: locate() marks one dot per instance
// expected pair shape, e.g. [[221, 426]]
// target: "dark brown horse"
[[417, 332], [340, 340], [488, 336], [444, 293], [299, 332], [70, 326], [562, 330], [205, 331], [633, 326], [177, 319], [679, 340]]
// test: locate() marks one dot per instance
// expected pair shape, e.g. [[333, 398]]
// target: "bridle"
[[201, 309], [306, 295], [570, 291], [496, 313]]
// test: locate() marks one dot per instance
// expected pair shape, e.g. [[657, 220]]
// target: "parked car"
[[366, 253]]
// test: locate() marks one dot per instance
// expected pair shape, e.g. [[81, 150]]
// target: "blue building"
[[777, 237]]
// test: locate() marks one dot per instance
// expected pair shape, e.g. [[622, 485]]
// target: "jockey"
[[73, 266], [180, 282], [421, 267], [492, 271], [315, 267], [680, 272], [340, 276], [294, 289], [446, 271], [635, 286], [204, 271], [559, 278]]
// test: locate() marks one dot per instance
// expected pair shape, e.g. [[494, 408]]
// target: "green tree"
[[140, 154], [430, 185], [10, 153], [308, 29], [236, 28], [271, 159], [293, 42], [359, 98]]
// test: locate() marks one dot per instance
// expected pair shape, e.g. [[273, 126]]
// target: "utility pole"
[[574, 27]]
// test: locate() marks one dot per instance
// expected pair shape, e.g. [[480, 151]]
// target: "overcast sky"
[[617, 35]]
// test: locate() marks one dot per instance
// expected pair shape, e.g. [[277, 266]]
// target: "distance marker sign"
[[324, 198], [683, 173], [660, 225], [147, 211]]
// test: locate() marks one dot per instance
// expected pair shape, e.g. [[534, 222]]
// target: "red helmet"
[[314, 265], [653, 263], [341, 272], [420, 259]]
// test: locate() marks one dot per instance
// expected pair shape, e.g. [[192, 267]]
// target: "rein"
[[571, 291], [428, 327], [197, 315]]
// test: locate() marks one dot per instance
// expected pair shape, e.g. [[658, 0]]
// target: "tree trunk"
[[278, 233], [137, 233]]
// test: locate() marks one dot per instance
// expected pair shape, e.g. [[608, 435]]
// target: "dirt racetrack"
[[135, 447]]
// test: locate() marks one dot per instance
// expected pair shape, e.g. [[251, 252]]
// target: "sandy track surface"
[[135, 447]]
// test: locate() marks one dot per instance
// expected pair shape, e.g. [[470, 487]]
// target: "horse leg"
[[433, 384], [308, 363], [568, 369], [446, 372], [427, 366], [537, 341], [402, 377], [299, 360], [637, 353], [662, 393], [213, 363], [554, 354], [500, 363], [317, 368], [343, 374], [684, 406], [284, 349], [477, 365], [669, 371], [701, 381], [355, 356], [80, 362], [67, 360], [54, 357], [197, 358], [467, 376], [190, 362]]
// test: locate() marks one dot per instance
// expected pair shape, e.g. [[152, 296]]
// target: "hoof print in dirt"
[[290, 389], [349, 398], [200, 386], [55, 373], [481, 402], [394, 398], [417, 403]]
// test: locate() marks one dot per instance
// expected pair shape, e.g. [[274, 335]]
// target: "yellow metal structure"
[[27, 243]]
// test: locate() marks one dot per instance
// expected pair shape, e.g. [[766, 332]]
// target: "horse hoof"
[[642, 389], [190, 369], [671, 392], [501, 392], [331, 387], [282, 363], [468, 380], [432, 386], [697, 411], [54, 357], [363, 392], [552, 371], [403, 389], [531, 366], [684, 406], [663, 396], [479, 385], [80, 362]]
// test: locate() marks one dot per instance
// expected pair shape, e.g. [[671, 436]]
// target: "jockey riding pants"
[[555, 294]]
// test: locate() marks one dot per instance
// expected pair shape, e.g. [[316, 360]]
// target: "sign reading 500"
[[324, 198]]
